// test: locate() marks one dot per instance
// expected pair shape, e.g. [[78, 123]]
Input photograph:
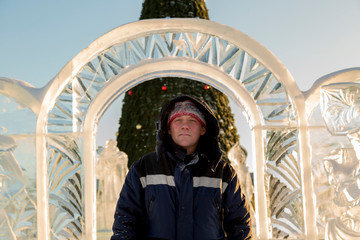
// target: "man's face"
[[185, 131]]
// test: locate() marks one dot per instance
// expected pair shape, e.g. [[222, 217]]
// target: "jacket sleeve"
[[129, 213], [237, 218]]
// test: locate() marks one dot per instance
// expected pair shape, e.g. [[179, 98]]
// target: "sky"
[[312, 38]]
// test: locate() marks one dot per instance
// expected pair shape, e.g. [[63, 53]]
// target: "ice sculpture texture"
[[111, 170], [340, 105], [59, 199]]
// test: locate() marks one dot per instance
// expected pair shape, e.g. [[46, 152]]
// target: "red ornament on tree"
[[206, 87], [130, 92], [164, 88]]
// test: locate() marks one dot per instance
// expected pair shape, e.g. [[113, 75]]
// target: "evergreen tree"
[[174, 9], [142, 104]]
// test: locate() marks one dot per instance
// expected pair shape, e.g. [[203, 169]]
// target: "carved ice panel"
[[283, 182], [340, 105]]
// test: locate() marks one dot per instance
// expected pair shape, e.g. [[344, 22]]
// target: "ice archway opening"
[[157, 69], [192, 48]]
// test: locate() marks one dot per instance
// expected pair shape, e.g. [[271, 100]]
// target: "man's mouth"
[[184, 134]]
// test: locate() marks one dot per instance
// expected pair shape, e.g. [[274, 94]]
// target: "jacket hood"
[[208, 143]]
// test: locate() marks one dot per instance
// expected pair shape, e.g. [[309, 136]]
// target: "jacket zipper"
[[152, 200], [217, 205]]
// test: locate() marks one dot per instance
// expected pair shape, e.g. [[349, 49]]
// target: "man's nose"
[[185, 124]]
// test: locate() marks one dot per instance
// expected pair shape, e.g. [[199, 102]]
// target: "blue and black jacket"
[[169, 195]]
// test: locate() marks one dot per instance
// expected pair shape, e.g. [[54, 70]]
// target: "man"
[[184, 190]]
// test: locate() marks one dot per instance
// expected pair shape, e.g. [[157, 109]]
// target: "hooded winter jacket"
[[169, 195]]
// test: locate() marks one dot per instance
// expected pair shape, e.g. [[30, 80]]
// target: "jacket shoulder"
[[149, 157], [150, 164], [145, 159], [228, 171]]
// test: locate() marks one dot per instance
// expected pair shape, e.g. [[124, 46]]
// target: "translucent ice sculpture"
[[237, 156], [17, 211], [49, 167], [111, 169], [340, 106]]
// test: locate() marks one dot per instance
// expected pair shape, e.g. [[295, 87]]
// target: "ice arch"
[[198, 49]]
